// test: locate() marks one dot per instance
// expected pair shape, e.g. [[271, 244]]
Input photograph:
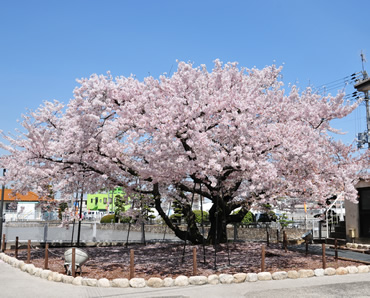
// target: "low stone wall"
[[180, 281]]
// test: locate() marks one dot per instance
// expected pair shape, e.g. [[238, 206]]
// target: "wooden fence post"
[[323, 256], [263, 258], [195, 269], [46, 265], [29, 252], [16, 247], [306, 241], [132, 265], [74, 262]]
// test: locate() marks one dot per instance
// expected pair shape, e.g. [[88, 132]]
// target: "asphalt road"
[[14, 283]]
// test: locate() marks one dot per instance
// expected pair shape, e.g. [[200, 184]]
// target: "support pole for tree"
[[336, 249], [227, 239], [202, 223], [73, 231], [306, 241], [215, 237], [46, 264], [132, 264], [263, 258], [29, 251], [195, 261], [323, 256], [16, 247], [129, 225], [3, 244], [285, 241], [187, 228], [80, 219], [144, 214], [143, 233], [168, 214], [73, 224]]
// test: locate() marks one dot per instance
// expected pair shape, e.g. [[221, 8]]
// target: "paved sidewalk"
[[317, 249], [15, 283]]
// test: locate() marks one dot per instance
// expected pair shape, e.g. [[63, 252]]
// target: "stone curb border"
[[182, 280], [358, 246]]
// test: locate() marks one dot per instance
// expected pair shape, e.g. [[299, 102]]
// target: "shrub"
[[284, 221], [126, 219], [198, 216], [176, 218], [62, 206], [109, 219], [248, 218]]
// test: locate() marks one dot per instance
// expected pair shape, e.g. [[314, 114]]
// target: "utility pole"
[[364, 86], [1, 208]]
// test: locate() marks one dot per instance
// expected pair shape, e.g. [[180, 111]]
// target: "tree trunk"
[[191, 233], [219, 216], [217, 233]]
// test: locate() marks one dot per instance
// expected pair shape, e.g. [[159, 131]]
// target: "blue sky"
[[46, 45]]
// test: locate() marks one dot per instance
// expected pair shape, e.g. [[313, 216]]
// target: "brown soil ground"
[[166, 260]]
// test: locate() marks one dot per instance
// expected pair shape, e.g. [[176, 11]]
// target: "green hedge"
[[109, 219], [113, 218]]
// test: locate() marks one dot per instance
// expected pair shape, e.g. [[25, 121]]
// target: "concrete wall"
[[243, 233], [353, 214]]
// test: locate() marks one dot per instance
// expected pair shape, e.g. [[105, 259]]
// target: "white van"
[[93, 215]]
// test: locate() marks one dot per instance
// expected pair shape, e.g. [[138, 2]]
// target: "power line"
[[346, 78], [339, 83]]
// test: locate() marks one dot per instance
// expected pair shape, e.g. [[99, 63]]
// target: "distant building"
[[104, 202], [23, 207]]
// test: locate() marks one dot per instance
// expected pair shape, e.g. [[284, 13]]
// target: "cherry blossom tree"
[[231, 135]]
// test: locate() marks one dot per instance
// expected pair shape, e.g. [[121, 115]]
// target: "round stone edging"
[[181, 280]]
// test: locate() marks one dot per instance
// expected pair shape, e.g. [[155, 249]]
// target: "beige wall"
[[352, 218]]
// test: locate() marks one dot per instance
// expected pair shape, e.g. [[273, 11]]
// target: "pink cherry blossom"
[[231, 135]]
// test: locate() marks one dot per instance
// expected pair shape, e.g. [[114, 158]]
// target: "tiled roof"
[[29, 197]]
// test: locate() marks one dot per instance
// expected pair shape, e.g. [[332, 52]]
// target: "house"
[[104, 202], [358, 215], [22, 207]]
